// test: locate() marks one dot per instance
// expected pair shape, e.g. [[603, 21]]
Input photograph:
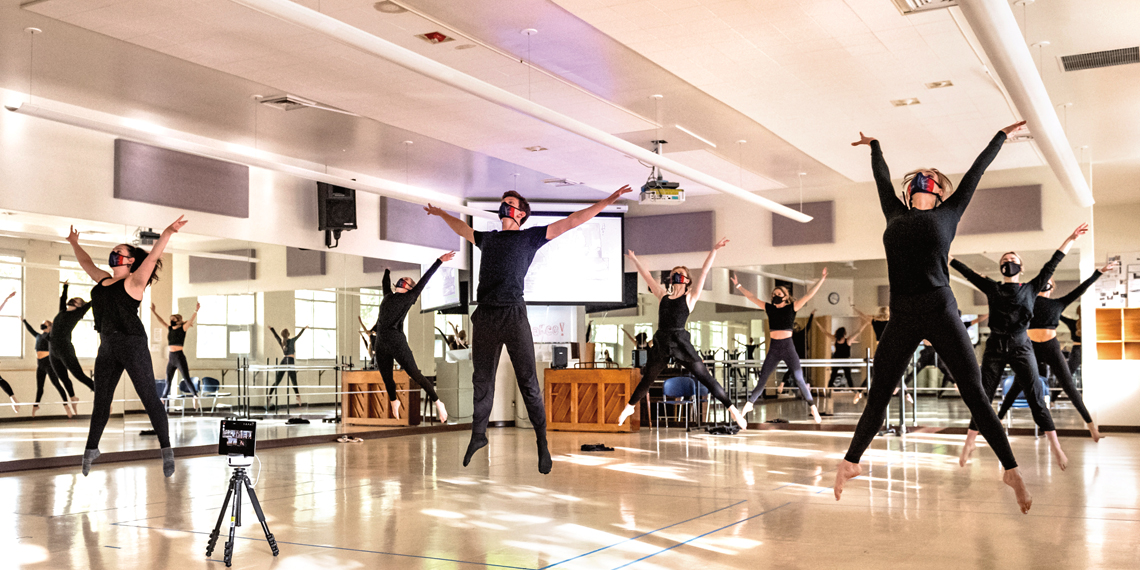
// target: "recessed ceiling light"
[[940, 84], [434, 38], [389, 7], [535, 148], [905, 102]]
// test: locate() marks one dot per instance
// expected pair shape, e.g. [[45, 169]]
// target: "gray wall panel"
[[671, 233], [1000, 210], [304, 262], [153, 175], [375, 265], [405, 222], [884, 295], [210, 270], [786, 231]]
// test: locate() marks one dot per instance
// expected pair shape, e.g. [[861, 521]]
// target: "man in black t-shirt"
[[500, 319]]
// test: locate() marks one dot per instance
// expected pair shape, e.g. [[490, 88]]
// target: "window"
[[741, 340], [84, 338], [643, 328], [11, 328], [607, 338], [316, 310], [718, 335], [225, 325], [369, 309], [694, 329], [444, 323]]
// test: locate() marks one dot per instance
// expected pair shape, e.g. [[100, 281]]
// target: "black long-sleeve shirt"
[[1011, 304], [43, 338], [64, 322], [1047, 311], [289, 345], [918, 241], [1074, 329], [395, 306]]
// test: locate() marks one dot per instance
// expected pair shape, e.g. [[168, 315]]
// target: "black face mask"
[[922, 184], [777, 299], [678, 279], [43, 327], [508, 211], [1009, 268]]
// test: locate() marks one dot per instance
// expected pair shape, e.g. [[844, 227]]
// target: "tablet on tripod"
[[238, 437]]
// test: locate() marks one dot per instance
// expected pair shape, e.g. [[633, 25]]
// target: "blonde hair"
[[943, 181], [788, 298], [884, 313], [687, 275]]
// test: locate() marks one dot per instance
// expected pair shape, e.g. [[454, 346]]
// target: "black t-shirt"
[[672, 314], [176, 336], [506, 258], [841, 350], [1047, 312], [116, 312], [1011, 304], [780, 318], [879, 327], [918, 241]]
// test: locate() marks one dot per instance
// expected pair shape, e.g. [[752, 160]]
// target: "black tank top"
[[673, 313], [842, 350], [116, 312], [780, 318], [879, 327], [176, 336]]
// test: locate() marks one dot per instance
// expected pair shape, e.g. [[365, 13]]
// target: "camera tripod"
[[237, 481]]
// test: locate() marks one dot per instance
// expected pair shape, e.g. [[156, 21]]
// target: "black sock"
[[544, 461], [478, 441]]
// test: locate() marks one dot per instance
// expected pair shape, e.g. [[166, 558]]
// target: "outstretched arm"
[[887, 199], [300, 332], [98, 275], [984, 284], [387, 281], [854, 338], [62, 298], [154, 311], [1050, 267], [961, 197], [699, 285], [6, 299], [654, 286], [584, 215], [824, 331], [139, 278], [431, 271], [31, 330], [747, 294], [193, 317], [799, 304], [458, 226], [1084, 286], [274, 331]]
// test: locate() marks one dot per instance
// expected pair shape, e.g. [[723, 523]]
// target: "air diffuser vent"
[[293, 102], [562, 182], [914, 6], [1097, 59]]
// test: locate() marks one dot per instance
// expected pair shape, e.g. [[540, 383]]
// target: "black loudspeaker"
[[558, 360], [640, 358], [336, 207]]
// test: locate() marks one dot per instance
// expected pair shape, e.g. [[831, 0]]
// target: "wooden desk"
[[367, 402], [590, 399]]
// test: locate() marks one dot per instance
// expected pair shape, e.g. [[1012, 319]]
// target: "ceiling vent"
[[905, 102], [1023, 137], [293, 102], [562, 182], [915, 6], [534, 148], [1097, 59]]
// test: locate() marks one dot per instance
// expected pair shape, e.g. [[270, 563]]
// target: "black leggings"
[[176, 360], [392, 345], [7, 388], [831, 382], [1049, 353], [1016, 351], [43, 370], [1074, 359], [119, 353], [287, 361], [781, 349], [64, 360], [492, 329], [932, 316], [676, 343]]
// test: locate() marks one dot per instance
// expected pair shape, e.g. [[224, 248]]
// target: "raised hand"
[[177, 225], [723, 242], [735, 281], [630, 254], [73, 236], [623, 190], [447, 256], [863, 139], [197, 306], [153, 308], [433, 210], [10, 295], [1013, 128], [1080, 231], [823, 274], [1108, 266]]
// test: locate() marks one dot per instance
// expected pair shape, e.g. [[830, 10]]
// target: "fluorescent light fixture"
[[695, 135], [356, 38], [150, 133]]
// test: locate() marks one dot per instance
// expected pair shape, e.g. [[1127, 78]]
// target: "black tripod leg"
[[260, 516], [235, 521], [221, 517]]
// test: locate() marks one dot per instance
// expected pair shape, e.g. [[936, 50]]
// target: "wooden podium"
[[590, 399], [367, 401]]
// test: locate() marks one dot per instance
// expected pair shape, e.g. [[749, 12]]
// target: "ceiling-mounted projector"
[[657, 190]]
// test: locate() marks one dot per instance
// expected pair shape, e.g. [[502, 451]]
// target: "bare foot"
[[628, 411], [967, 448], [1055, 443], [739, 417], [1012, 478], [858, 396], [844, 472], [815, 414], [747, 409], [909, 400], [70, 414], [1095, 433], [396, 409], [442, 411], [35, 409], [15, 405]]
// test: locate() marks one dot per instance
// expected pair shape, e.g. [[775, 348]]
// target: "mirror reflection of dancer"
[[841, 349], [44, 370], [1011, 308], [671, 338], [1075, 335], [289, 348], [63, 358], [392, 346], [176, 358], [1043, 334], [878, 323], [501, 320], [781, 310], [917, 240], [123, 344], [4, 385]]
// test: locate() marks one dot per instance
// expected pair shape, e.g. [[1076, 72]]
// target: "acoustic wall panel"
[[671, 233], [212, 270], [405, 222], [153, 175], [884, 292], [786, 231], [375, 265], [749, 281], [980, 298], [304, 262], [1002, 210]]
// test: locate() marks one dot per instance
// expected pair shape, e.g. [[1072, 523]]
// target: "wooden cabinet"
[[366, 402], [590, 399], [1118, 334]]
